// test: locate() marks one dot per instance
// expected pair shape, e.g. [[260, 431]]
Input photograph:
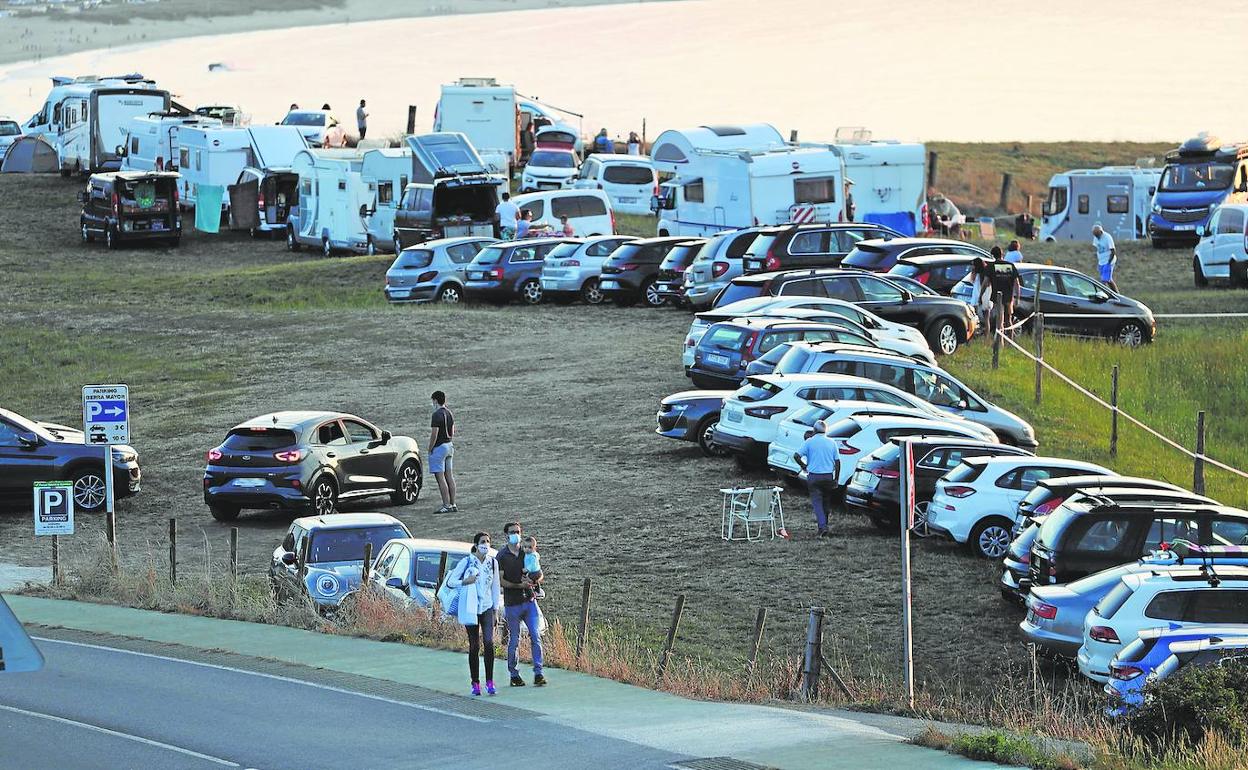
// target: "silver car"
[[434, 270], [716, 265], [572, 269]]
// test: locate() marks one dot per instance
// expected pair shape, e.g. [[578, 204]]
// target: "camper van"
[[217, 155], [451, 192], [152, 140], [1199, 175], [334, 201], [87, 118], [729, 177], [487, 113], [387, 172], [1118, 197]]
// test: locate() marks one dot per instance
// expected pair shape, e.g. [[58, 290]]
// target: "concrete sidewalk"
[[764, 735]]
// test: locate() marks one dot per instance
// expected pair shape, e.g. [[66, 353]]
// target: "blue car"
[[1159, 652], [330, 565], [508, 270], [692, 415]]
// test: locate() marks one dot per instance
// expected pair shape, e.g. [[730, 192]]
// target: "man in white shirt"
[[508, 215], [361, 119], [1106, 254]]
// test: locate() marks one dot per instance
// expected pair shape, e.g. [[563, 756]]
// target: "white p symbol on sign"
[[93, 410], [53, 499]]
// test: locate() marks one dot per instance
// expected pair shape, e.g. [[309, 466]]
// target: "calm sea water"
[[1102, 70]]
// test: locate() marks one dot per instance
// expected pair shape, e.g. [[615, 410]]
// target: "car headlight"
[[124, 455], [1156, 208]]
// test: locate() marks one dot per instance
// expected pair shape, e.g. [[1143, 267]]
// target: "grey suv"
[[717, 263], [434, 270]]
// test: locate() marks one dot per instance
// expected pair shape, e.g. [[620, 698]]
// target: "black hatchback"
[[786, 247], [1073, 303], [671, 281], [127, 206]]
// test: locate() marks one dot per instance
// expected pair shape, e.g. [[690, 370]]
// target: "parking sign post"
[[54, 516], [106, 422], [907, 521]]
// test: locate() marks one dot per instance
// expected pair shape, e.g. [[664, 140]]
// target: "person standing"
[[442, 451], [1005, 286], [1106, 254], [519, 606], [819, 457], [603, 143], [476, 579], [508, 217], [361, 119], [525, 224], [850, 209], [634, 143], [566, 228], [1014, 252], [980, 281]]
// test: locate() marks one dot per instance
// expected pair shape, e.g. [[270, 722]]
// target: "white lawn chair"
[[747, 506]]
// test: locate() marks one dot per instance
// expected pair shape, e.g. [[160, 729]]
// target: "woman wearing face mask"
[[476, 579]]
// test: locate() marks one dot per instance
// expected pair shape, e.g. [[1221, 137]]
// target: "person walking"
[[634, 143], [1014, 252], [508, 217], [1005, 285], [819, 457], [1106, 254], [361, 119], [603, 143], [442, 451], [476, 579], [519, 606]]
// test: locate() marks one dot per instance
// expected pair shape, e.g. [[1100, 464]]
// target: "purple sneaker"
[[489, 686], [476, 688]]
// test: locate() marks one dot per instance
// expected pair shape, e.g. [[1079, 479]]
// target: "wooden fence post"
[[1039, 322], [173, 551], [1006, 181], [582, 629], [368, 561], [793, 136], [234, 552], [756, 641], [671, 634], [812, 656], [1113, 414], [995, 329], [931, 168], [1198, 467], [1028, 203], [411, 119]]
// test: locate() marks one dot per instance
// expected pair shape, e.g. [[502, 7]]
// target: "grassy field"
[[555, 407]]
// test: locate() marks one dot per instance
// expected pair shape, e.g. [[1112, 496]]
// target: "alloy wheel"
[[994, 541], [409, 484], [89, 491], [449, 295], [531, 292], [653, 298], [920, 528], [1131, 334], [326, 498], [591, 293], [947, 339]]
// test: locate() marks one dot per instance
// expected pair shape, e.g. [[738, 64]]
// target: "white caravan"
[[387, 173], [87, 118], [334, 201], [730, 177], [487, 113], [1120, 198], [217, 155], [152, 140]]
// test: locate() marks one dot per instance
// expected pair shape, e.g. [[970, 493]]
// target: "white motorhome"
[[725, 177], [1120, 198], [487, 113], [152, 140], [334, 201], [217, 155], [387, 173], [87, 118]]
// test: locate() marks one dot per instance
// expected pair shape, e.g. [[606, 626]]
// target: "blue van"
[[1198, 176]]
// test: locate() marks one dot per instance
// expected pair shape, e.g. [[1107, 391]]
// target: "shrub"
[[1193, 703]]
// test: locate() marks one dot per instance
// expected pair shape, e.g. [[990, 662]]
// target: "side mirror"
[[28, 440], [386, 436], [289, 559], [120, 151], [906, 296], [961, 404], [1208, 231], [1100, 296], [396, 583], [364, 210]]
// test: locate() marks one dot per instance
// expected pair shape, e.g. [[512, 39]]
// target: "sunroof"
[[725, 130]]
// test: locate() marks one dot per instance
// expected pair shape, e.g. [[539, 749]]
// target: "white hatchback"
[[549, 170], [1222, 251], [628, 180], [976, 503], [1173, 598]]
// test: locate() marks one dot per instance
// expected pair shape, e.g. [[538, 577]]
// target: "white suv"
[[549, 170], [572, 269], [628, 180], [1222, 251], [976, 503], [859, 436], [1174, 598]]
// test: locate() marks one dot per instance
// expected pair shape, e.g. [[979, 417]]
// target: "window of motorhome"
[[1056, 203], [199, 160], [342, 184], [134, 145], [184, 157], [1117, 204], [1083, 204], [56, 114], [818, 190], [306, 185], [385, 193], [695, 192]]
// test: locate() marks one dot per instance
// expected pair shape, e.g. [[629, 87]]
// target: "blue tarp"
[[208, 208], [901, 221]]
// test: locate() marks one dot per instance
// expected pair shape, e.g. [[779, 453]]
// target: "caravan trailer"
[[87, 118], [217, 155], [152, 140], [334, 201], [487, 113], [1118, 197]]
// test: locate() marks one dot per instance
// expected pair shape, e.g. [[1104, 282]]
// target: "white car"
[[588, 211], [881, 330], [628, 180], [319, 127], [1222, 251], [572, 269], [976, 503], [549, 170], [10, 132], [1174, 598], [808, 359], [861, 435]]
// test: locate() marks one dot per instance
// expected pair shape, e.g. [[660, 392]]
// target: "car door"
[[1047, 297], [286, 580], [367, 463], [1085, 297], [22, 465], [887, 301], [329, 441]]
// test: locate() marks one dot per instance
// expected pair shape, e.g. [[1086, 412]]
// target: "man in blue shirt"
[[820, 458]]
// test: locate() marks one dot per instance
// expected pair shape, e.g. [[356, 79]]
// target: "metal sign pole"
[[108, 479], [907, 521]]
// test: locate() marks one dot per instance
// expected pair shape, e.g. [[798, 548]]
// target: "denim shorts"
[[441, 457], [1107, 271]]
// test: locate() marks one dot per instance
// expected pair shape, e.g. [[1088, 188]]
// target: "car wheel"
[[990, 538], [324, 497], [531, 292], [326, 249], [705, 431], [450, 294], [1239, 274], [591, 293], [86, 236], [410, 482], [1132, 334], [651, 292], [370, 248], [943, 336], [110, 239], [1198, 274], [292, 244], [920, 528], [89, 490], [222, 512]]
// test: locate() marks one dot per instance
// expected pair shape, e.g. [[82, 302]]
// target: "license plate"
[[665, 287], [715, 358], [865, 479], [733, 416], [158, 225], [627, 200], [401, 292], [608, 284], [1185, 227], [752, 264], [476, 276], [248, 482]]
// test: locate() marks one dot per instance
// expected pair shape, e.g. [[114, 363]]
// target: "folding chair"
[[749, 506]]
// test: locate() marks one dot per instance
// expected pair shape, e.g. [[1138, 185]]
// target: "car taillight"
[[690, 342], [771, 263], [116, 205], [1048, 506], [959, 491], [747, 353], [1104, 634], [428, 275], [1125, 673], [1046, 611], [572, 263], [765, 412], [847, 449], [296, 483], [923, 278], [175, 197], [888, 474], [495, 273], [214, 454], [289, 456], [628, 266], [260, 199], [718, 269]]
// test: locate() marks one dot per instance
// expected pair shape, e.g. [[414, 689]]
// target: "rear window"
[[1113, 601], [348, 544], [489, 255], [844, 429], [681, 257], [864, 256], [810, 415], [761, 244], [887, 453], [906, 271], [616, 174], [1053, 527], [564, 250], [548, 159], [964, 473], [9, 128], [1167, 605], [411, 259], [1137, 649], [757, 391], [736, 292], [304, 119], [740, 245], [257, 440], [726, 338]]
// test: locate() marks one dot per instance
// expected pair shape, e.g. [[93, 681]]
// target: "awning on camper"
[[30, 154]]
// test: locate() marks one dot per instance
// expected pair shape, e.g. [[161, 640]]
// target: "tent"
[[30, 154]]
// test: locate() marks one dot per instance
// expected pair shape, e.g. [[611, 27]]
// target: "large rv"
[[1198, 176], [152, 140], [1116, 197], [484, 111], [334, 201]]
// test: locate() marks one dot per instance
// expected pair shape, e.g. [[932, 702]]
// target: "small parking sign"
[[54, 508]]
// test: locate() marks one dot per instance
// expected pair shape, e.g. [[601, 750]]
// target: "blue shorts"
[[1107, 271], [441, 457]]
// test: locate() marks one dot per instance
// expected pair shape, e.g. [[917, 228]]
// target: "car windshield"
[[348, 544], [411, 259], [258, 439], [304, 119], [9, 128], [549, 159], [1196, 176]]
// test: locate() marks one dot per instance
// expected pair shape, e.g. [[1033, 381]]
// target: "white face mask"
[[433, 406], [483, 548]]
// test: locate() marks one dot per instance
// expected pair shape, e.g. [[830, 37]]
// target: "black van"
[[1085, 537], [124, 206]]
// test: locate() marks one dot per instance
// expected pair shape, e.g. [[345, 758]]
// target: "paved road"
[[97, 707]]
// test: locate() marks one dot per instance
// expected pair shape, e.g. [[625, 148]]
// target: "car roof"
[[1165, 632], [292, 420], [902, 421], [347, 521], [905, 243], [1109, 480], [809, 377], [615, 157], [768, 322], [1056, 462], [135, 176], [530, 241], [1196, 576], [673, 239], [930, 259], [957, 441], [431, 544], [891, 356], [810, 272], [1179, 509], [1112, 492], [439, 242]]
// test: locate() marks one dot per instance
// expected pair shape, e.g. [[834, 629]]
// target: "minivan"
[[123, 206], [588, 211], [628, 180], [1222, 251]]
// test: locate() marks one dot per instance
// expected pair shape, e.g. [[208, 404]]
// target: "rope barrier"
[[1112, 408], [1136, 315]]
